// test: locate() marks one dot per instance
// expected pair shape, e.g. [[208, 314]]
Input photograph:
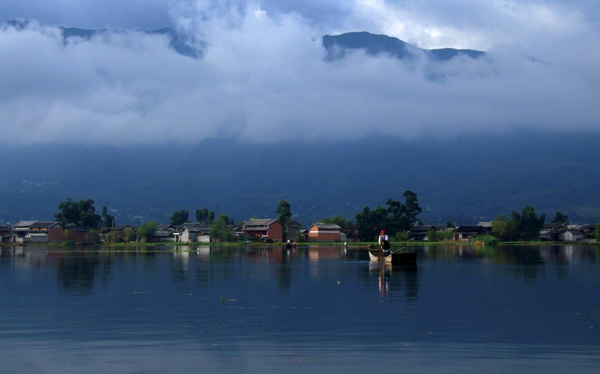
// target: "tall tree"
[[107, 219], [202, 215], [284, 211], [179, 217], [78, 214], [521, 226], [221, 228], [147, 230], [370, 222], [284, 214], [530, 224], [403, 216], [560, 218], [205, 216], [501, 228]]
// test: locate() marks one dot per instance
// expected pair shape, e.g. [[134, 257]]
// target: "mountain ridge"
[[337, 46], [466, 180]]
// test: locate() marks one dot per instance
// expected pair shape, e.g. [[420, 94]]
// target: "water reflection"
[[77, 268], [459, 307]]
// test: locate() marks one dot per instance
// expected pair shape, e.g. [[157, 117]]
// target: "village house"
[[468, 233], [76, 234], [321, 232], [551, 231], [165, 233], [194, 232], [116, 233], [293, 227], [5, 234], [263, 229], [571, 234], [420, 232], [37, 232]]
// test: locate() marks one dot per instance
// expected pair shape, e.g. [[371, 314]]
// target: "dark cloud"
[[263, 76]]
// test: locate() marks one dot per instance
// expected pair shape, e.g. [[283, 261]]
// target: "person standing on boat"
[[384, 241]]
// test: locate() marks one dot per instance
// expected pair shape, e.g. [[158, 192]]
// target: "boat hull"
[[409, 258], [378, 255]]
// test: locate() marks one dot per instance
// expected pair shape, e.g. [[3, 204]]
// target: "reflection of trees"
[[75, 272], [284, 271]]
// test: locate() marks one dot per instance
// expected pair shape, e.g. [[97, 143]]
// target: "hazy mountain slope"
[[338, 46], [465, 180]]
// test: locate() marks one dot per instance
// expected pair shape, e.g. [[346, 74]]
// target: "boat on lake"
[[396, 258], [379, 255]]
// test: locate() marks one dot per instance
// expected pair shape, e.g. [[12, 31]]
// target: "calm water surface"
[[317, 309]]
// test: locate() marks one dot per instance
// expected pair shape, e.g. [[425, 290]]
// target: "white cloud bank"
[[263, 77]]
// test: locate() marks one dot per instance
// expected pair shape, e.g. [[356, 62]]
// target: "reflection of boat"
[[378, 254]]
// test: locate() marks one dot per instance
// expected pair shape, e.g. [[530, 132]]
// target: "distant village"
[[260, 230]]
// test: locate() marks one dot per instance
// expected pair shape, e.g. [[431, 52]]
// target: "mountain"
[[338, 46], [467, 180], [180, 43]]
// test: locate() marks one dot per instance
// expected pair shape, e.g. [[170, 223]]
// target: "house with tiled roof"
[[194, 232], [37, 232], [263, 229], [323, 232]]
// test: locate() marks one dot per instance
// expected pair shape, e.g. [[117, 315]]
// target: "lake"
[[462, 309]]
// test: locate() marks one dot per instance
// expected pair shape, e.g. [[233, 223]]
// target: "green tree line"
[[395, 217]]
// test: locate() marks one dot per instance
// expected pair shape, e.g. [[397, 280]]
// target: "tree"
[[370, 222], [560, 218], [179, 217], [523, 226], [221, 228], [285, 213], [529, 224], [107, 219], [347, 226], [205, 216], [78, 214], [403, 216], [501, 228], [147, 230], [597, 231]]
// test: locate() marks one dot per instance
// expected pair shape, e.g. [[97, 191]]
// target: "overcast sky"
[[263, 76]]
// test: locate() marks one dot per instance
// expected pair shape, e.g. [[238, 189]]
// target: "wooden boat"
[[396, 258], [409, 258], [378, 254]]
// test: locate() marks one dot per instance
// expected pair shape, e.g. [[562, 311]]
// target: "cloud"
[[263, 78]]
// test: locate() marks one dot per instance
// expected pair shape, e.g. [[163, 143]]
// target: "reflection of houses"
[[263, 229], [467, 233], [321, 232], [194, 232]]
